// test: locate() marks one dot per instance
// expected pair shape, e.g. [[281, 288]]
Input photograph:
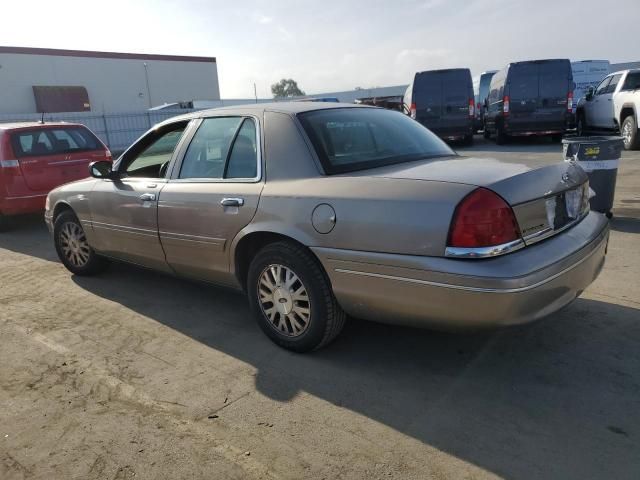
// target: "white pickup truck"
[[614, 105]]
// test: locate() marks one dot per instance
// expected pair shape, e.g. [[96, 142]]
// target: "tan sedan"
[[318, 211]]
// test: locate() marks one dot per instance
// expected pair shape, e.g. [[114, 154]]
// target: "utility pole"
[[255, 91], [146, 77]]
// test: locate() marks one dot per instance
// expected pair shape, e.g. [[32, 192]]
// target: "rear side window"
[[53, 141], [349, 139], [632, 81]]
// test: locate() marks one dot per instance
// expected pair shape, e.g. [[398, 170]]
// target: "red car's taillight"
[[108, 155], [483, 219], [412, 111], [505, 105]]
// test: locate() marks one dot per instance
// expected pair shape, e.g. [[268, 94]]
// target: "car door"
[[591, 105], [603, 116], [124, 210], [212, 194], [39, 159]]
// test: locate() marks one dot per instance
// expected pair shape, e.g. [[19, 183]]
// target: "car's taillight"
[[108, 156], [472, 107], [505, 104], [412, 111], [570, 102], [483, 219]]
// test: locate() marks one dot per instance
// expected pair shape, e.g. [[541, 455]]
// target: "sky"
[[332, 45]]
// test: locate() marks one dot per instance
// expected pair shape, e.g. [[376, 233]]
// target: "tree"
[[286, 88]]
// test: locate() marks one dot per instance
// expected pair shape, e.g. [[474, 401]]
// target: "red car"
[[37, 157]]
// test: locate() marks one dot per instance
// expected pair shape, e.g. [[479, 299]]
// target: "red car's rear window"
[[52, 141]]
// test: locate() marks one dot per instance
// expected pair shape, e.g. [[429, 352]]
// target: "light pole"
[[146, 77]]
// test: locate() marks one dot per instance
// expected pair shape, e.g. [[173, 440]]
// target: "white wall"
[[113, 85]]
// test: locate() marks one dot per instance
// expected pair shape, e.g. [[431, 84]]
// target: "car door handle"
[[147, 197], [232, 202]]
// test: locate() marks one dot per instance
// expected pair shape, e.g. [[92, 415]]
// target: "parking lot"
[[135, 374]]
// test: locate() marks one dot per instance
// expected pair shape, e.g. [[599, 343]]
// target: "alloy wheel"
[[74, 244], [626, 134], [284, 300]]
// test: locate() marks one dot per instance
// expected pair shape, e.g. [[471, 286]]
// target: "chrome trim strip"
[[191, 238], [125, 229], [550, 232], [472, 289], [65, 162], [27, 196], [484, 252]]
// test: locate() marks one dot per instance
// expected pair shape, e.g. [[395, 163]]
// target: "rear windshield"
[[51, 141], [349, 139], [548, 79], [450, 88]]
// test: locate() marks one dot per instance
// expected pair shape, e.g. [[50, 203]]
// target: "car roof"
[[630, 70], [290, 108], [31, 125]]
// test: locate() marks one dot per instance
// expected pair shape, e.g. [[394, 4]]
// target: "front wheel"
[[291, 298], [72, 247], [581, 125], [629, 131]]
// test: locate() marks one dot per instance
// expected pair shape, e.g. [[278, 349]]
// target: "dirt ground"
[[133, 374]]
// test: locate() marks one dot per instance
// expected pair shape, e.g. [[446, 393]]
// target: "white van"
[[587, 73]]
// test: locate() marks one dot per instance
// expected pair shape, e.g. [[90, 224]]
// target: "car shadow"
[[28, 234], [556, 399], [625, 224]]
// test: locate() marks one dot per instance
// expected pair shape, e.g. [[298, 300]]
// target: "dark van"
[[530, 98], [443, 101]]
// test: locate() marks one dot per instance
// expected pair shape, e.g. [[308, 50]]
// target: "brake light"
[[472, 107], [483, 219], [505, 104], [108, 156], [412, 111], [570, 102]]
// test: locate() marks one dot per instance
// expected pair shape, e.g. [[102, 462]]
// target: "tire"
[[486, 133], [467, 141], [501, 137], [296, 329], [4, 223], [72, 247], [629, 132], [581, 125]]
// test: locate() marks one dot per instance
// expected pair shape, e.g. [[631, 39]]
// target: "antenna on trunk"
[[42, 119]]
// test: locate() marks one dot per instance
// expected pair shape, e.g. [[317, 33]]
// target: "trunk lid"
[[543, 198]]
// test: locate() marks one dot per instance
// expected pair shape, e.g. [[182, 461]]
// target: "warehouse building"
[[51, 81]]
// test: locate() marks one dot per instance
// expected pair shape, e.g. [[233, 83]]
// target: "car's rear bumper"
[[456, 294], [17, 205]]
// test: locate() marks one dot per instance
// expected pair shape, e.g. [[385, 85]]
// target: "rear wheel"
[[4, 223], [581, 125], [501, 136], [629, 132], [291, 298], [72, 247]]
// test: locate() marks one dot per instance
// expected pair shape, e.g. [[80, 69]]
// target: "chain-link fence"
[[116, 130]]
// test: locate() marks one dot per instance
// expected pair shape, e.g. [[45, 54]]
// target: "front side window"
[[349, 139], [223, 147], [151, 158], [603, 86]]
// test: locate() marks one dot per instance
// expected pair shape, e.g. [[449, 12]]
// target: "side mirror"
[[102, 170], [589, 95]]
